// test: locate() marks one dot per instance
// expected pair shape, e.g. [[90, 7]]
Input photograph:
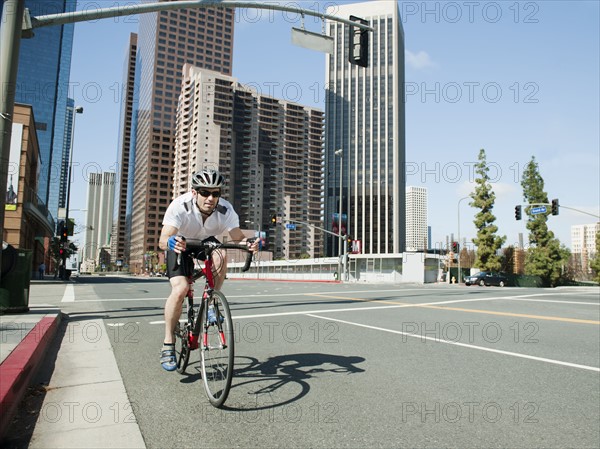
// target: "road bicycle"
[[209, 326]]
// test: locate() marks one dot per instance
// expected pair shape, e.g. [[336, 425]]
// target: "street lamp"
[[76, 110], [340, 153], [257, 259], [458, 214]]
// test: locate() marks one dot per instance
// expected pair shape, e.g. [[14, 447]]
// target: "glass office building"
[[43, 82], [364, 113]]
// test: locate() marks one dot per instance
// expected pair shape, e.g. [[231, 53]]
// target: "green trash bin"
[[14, 287]]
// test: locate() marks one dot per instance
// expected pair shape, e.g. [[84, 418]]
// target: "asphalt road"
[[354, 365]]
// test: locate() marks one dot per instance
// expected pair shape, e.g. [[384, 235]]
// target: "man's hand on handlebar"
[[176, 243], [253, 244]]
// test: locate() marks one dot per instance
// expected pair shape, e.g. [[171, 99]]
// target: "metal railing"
[[30, 196]]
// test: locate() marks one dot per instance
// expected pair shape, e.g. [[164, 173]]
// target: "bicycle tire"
[[217, 359], [182, 349]]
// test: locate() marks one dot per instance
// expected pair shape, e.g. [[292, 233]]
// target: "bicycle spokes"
[[217, 352]]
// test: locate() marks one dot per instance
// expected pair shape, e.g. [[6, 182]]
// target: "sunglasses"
[[207, 193]]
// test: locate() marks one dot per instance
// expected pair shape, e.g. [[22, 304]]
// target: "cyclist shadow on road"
[[283, 379]]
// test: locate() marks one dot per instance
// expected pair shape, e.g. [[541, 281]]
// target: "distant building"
[[416, 219], [99, 216], [269, 150], [166, 41], [364, 113], [583, 244]]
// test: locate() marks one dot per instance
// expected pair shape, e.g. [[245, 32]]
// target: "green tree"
[[545, 256], [595, 262], [487, 241], [56, 245]]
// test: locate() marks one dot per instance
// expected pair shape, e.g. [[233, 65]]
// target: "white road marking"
[[556, 301], [69, 295], [353, 309], [465, 345]]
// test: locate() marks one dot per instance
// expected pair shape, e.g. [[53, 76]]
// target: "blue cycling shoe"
[[212, 316], [167, 358]]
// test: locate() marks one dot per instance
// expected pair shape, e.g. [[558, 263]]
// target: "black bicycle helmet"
[[207, 178]]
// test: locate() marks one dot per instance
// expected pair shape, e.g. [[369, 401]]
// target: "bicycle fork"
[[205, 299], [192, 338]]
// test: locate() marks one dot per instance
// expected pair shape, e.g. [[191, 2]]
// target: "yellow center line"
[[519, 315], [322, 295], [459, 309]]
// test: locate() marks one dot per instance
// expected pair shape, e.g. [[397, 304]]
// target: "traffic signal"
[[555, 207], [274, 219], [358, 53], [517, 212], [64, 232], [455, 247], [349, 243]]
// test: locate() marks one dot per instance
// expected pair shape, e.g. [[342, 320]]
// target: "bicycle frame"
[[209, 286]]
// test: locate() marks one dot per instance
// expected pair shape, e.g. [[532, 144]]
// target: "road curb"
[[19, 368]]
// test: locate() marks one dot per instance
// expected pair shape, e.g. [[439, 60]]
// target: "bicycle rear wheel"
[[217, 350], [182, 348]]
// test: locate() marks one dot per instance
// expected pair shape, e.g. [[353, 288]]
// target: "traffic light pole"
[[458, 246], [560, 206]]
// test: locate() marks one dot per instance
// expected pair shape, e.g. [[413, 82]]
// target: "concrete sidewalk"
[[24, 341], [82, 402]]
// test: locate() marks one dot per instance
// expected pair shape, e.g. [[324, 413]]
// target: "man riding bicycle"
[[198, 214]]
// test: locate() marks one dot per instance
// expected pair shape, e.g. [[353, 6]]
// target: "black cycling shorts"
[[186, 267]]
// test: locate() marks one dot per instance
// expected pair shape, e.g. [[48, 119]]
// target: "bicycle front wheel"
[[217, 349], [182, 348]]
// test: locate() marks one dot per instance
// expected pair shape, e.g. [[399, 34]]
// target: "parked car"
[[487, 278]]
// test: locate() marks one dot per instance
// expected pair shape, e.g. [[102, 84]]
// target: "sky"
[[518, 79]]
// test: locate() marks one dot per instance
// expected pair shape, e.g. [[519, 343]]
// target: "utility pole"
[[10, 43]]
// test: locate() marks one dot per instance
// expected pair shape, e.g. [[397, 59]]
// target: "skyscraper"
[[269, 150], [416, 219], [364, 113], [167, 40], [43, 81], [99, 216], [121, 231], [66, 152]]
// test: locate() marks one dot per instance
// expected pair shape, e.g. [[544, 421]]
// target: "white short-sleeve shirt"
[[183, 214]]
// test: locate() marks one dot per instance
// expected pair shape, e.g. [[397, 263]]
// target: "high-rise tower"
[[269, 150], [166, 41], [364, 115], [416, 219], [122, 216]]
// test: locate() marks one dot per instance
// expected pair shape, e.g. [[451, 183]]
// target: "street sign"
[[538, 210], [291, 226]]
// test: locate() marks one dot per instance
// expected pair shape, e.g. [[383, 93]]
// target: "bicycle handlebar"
[[194, 246]]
